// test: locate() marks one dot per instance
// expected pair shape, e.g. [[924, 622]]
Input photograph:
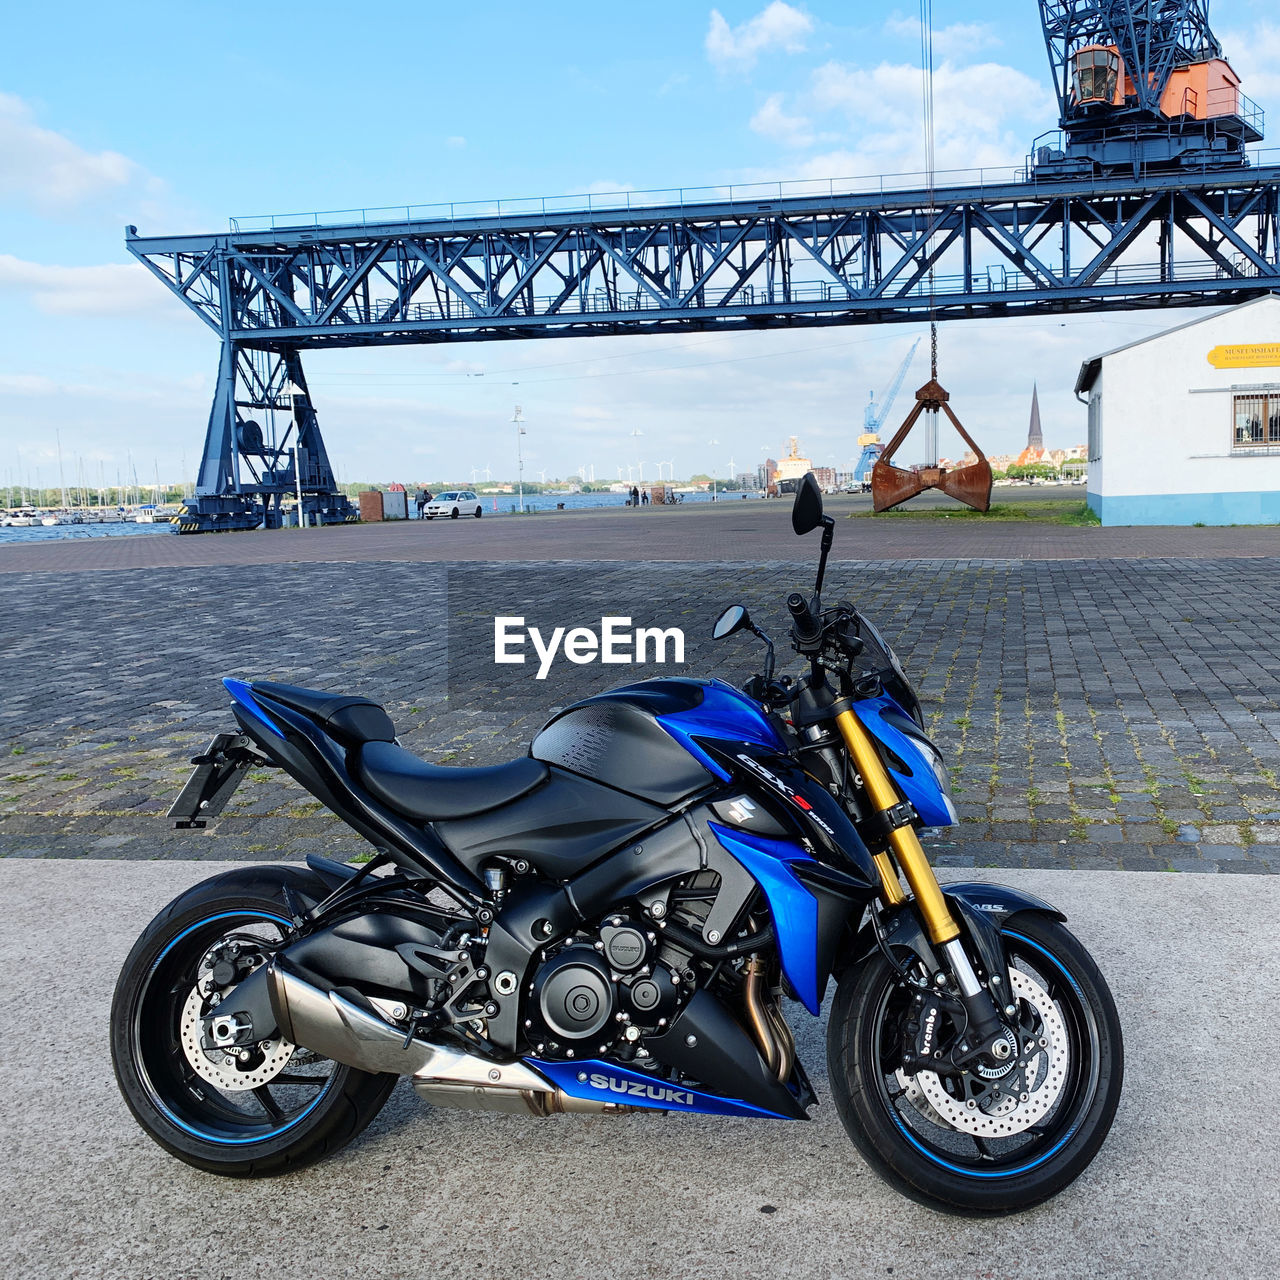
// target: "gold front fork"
[[905, 843]]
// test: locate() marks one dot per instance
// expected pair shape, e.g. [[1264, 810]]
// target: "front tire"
[[307, 1107], [897, 1125], [453, 515]]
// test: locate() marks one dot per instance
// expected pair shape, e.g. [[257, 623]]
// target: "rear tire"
[[908, 1142], [218, 1131], [479, 513]]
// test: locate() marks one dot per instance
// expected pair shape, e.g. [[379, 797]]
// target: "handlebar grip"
[[805, 626]]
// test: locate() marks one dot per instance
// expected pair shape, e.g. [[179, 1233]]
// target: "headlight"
[[934, 757]]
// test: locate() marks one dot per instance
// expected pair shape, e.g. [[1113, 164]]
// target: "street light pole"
[[519, 424]]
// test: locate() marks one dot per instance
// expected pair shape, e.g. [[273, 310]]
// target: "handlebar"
[[805, 627]]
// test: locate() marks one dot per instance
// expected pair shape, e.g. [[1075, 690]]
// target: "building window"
[[1255, 421], [1096, 74], [1095, 428]]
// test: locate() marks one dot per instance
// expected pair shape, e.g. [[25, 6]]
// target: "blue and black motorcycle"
[[614, 922]]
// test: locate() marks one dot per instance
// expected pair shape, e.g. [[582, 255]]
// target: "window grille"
[[1255, 421]]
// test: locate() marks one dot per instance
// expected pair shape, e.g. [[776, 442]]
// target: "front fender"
[[982, 910]]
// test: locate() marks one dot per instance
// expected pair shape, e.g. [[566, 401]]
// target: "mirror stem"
[[828, 534]]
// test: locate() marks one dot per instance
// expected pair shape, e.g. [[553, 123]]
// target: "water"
[[61, 532], [494, 505], [506, 503]]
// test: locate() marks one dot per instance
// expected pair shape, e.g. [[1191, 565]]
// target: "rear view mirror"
[[806, 511], [734, 618]]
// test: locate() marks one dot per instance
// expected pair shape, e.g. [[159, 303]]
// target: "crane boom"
[[892, 393]]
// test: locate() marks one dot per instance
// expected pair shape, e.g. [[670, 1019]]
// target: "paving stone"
[[1143, 694], [1222, 833]]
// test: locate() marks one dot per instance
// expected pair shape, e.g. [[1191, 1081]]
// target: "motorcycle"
[[614, 921]]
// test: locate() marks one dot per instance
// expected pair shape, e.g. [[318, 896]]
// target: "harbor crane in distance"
[[870, 442], [1146, 197]]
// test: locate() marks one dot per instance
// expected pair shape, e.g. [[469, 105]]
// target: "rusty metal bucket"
[[891, 486]]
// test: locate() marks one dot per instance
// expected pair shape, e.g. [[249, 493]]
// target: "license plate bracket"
[[219, 770]]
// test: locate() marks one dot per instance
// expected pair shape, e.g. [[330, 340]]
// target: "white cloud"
[[1255, 57], [456, 142], [771, 121], [50, 170], [109, 289], [882, 110], [777, 26], [955, 41]]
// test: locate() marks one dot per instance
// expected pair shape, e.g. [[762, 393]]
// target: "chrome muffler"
[[329, 1024]]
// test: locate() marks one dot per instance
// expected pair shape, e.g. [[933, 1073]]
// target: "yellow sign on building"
[[1254, 355]]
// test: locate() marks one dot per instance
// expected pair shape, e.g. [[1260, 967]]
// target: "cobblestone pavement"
[[1118, 713], [750, 531]]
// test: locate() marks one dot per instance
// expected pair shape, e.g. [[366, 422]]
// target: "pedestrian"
[[421, 498], [635, 496], [644, 498]]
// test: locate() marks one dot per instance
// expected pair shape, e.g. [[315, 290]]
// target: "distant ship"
[[792, 468]]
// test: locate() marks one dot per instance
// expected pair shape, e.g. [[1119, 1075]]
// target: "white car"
[[455, 503]]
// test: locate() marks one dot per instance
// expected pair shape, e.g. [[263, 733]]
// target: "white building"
[[1184, 426]]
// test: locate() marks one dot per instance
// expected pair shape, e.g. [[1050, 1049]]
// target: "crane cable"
[[930, 159]]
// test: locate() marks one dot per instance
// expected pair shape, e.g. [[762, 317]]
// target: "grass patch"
[[1046, 511]]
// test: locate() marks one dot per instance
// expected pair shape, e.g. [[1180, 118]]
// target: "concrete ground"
[[736, 529], [1186, 1185]]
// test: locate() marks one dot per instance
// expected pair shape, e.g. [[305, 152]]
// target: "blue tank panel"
[[724, 713]]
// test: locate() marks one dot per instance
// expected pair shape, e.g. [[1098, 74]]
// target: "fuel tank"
[[644, 738]]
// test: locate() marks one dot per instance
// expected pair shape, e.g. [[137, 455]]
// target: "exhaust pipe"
[[329, 1024]]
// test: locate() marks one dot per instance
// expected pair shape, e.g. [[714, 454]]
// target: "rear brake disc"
[[222, 1068]]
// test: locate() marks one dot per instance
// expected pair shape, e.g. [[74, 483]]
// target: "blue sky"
[[175, 117]]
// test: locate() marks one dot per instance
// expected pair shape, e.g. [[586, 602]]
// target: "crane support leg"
[[262, 449]]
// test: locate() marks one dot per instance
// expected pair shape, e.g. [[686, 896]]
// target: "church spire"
[[1035, 440]]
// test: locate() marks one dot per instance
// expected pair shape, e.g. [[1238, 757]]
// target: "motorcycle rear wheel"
[[911, 1144], [309, 1108]]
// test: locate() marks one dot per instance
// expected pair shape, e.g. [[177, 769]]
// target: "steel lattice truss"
[[1102, 244]]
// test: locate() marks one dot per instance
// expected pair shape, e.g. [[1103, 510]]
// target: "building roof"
[[1090, 368]]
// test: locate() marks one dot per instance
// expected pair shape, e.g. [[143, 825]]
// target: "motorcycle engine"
[[597, 993]]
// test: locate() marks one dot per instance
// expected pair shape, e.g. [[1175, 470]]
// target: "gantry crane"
[[1142, 84], [1147, 200]]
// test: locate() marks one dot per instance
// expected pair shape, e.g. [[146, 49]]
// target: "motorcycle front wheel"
[[961, 1143]]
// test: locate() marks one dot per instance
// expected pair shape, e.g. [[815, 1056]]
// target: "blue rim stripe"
[[1023, 1168], [202, 1134]]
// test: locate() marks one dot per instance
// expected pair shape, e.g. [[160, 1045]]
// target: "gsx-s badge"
[[781, 787]]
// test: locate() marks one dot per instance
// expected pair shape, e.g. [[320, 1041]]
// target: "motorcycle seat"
[[350, 720], [436, 793]]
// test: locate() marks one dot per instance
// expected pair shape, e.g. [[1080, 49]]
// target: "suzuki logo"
[[741, 810], [638, 1089]]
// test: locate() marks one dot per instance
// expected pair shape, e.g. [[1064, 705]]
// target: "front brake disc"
[[1044, 1075]]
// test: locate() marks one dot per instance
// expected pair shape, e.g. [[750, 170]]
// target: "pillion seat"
[[349, 720], [436, 793]]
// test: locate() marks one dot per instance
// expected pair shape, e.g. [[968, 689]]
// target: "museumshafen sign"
[[1259, 355]]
